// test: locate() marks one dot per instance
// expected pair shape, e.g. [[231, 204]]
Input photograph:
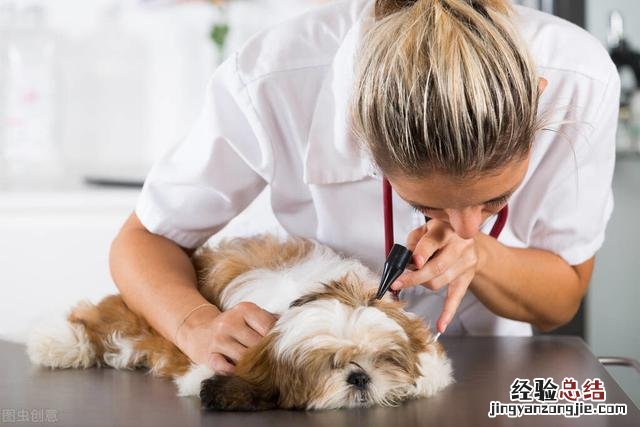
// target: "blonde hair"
[[444, 86]]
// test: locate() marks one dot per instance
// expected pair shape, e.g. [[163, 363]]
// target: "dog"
[[334, 344]]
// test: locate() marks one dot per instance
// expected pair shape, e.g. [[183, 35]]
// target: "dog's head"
[[338, 347]]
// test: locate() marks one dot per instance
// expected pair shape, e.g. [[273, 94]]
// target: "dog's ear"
[[232, 393], [435, 369]]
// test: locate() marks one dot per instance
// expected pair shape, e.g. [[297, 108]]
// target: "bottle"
[[7, 18], [29, 149], [103, 117]]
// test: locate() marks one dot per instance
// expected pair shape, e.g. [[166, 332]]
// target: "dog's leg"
[[189, 383], [105, 334]]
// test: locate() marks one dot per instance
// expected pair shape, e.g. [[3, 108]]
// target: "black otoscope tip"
[[395, 264]]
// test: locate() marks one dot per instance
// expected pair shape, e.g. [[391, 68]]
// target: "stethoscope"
[[501, 220]]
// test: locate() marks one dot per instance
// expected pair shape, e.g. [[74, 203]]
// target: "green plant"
[[220, 30], [218, 34]]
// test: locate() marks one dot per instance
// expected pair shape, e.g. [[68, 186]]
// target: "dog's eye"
[[335, 363], [390, 358]]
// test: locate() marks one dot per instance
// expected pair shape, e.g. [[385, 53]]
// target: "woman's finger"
[[424, 250], [219, 364], [259, 320], [230, 348], [455, 293], [456, 270], [442, 261], [247, 336], [414, 237]]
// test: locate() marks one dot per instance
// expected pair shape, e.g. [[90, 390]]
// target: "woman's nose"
[[466, 222]]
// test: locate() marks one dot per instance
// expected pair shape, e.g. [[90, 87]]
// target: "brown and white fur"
[[334, 345]]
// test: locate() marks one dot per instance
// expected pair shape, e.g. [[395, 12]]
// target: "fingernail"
[[419, 261], [444, 327]]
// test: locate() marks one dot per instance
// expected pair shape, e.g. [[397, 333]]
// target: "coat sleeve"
[[223, 163]]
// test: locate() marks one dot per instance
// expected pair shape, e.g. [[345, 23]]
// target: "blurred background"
[[93, 91]]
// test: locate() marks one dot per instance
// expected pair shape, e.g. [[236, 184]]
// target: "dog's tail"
[[104, 334]]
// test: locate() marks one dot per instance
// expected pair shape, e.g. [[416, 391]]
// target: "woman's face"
[[464, 203]]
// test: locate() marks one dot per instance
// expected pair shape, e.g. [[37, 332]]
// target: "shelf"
[[73, 199]]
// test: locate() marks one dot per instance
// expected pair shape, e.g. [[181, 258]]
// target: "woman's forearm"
[[155, 277], [530, 285]]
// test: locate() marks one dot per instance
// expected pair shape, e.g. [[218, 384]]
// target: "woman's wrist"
[[493, 260], [483, 244], [194, 319]]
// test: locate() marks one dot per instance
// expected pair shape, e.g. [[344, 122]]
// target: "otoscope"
[[396, 262]]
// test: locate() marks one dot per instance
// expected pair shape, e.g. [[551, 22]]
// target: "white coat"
[[275, 115]]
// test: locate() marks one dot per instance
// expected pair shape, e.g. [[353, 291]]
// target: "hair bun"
[[387, 7], [446, 86]]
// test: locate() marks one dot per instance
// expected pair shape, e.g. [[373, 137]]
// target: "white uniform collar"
[[333, 154]]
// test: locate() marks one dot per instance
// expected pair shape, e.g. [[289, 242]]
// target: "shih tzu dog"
[[333, 346]]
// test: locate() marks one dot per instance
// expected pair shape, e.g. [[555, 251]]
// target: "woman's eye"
[[422, 211], [496, 205]]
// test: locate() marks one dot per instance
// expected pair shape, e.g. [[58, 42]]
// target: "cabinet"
[[54, 250]]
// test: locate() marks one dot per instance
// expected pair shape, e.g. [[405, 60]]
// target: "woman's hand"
[[451, 259], [219, 339]]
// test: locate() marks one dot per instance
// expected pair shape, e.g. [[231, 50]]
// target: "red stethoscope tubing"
[[388, 218]]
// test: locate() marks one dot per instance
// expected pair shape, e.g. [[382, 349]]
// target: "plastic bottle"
[[104, 120], [29, 149]]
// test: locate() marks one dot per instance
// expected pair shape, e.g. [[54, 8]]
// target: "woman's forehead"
[[440, 191]]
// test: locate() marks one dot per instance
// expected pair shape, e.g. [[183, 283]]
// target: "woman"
[[444, 99]]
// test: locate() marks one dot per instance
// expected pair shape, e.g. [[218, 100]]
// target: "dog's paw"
[[231, 393], [189, 383]]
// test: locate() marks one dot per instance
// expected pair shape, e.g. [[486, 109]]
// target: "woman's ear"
[[542, 85]]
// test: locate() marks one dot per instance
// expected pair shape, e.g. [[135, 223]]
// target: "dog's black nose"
[[358, 379]]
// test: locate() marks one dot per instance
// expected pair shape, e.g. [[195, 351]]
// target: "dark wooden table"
[[484, 370]]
